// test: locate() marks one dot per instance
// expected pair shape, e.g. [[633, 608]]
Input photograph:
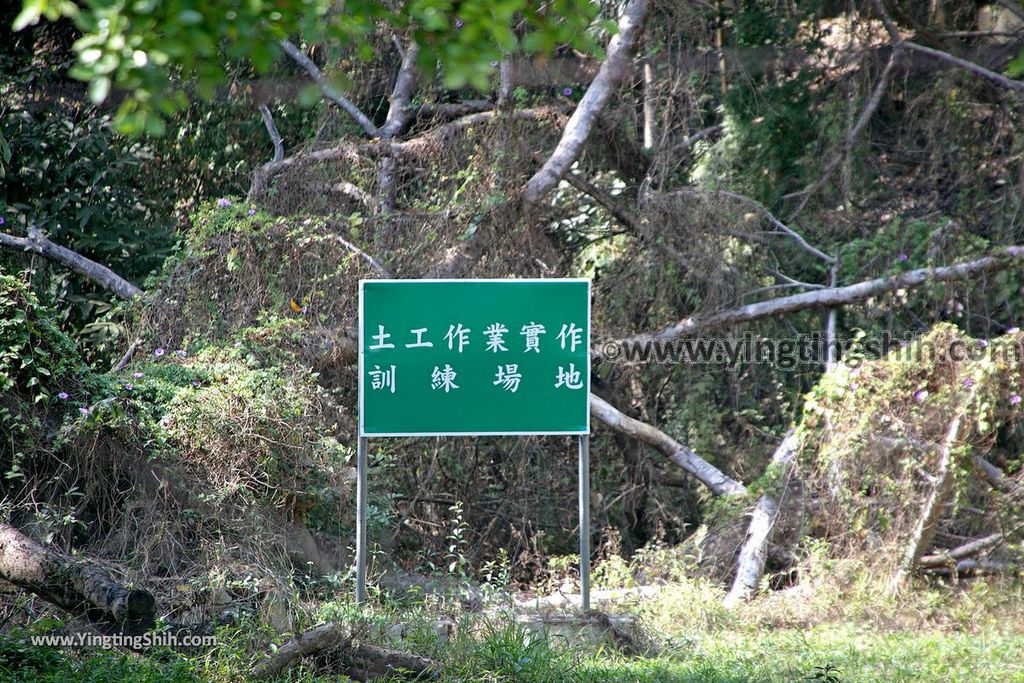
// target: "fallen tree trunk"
[[73, 585], [830, 297], [997, 479], [709, 475], [101, 275], [754, 552], [366, 660], [924, 529], [949, 557]]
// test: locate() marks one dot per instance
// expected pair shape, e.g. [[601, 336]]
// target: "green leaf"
[[99, 88], [1015, 69], [30, 13]]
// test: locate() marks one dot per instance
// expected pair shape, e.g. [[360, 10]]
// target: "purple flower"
[[458, 23], [567, 91], [83, 410], [63, 395], [195, 383], [920, 395], [180, 353], [1014, 399], [305, 310], [137, 375], [128, 386], [1015, 251], [968, 382], [854, 386], [982, 343], [2, 221], [252, 212], [223, 202], [902, 257], [159, 352], [1013, 330]]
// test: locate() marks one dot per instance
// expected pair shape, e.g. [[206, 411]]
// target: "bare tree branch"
[[829, 297], [924, 528], [328, 89], [275, 136], [614, 68], [621, 213], [763, 210], [977, 69], [87, 268], [127, 357], [692, 140], [997, 479], [969, 549], [452, 109], [365, 659], [381, 270], [355, 151], [851, 135], [709, 475]]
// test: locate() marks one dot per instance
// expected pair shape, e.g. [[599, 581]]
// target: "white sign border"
[[359, 340]]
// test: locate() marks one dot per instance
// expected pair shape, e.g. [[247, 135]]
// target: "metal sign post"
[[474, 358], [584, 484], [361, 521]]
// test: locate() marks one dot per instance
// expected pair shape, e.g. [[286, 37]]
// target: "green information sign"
[[474, 357]]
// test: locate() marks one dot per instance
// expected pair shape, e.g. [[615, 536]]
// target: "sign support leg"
[[585, 522], [361, 521]]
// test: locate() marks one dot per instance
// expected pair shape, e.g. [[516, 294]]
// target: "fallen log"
[[754, 552], [971, 567], [924, 529], [74, 585], [1001, 259], [969, 549], [716, 480], [365, 660], [998, 479], [99, 274]]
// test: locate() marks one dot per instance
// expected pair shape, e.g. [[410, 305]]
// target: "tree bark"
[[612, 71], [750, 565], [73, 585], [99, 274]]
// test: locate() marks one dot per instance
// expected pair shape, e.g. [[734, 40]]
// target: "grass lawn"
[[829, 653]]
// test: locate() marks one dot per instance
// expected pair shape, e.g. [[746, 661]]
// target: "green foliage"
[[773, 119], [153, 49], [40, 368], [20, 660], [905, 244], [769, 145], [81, 184], [508, 651], [35, 356]]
